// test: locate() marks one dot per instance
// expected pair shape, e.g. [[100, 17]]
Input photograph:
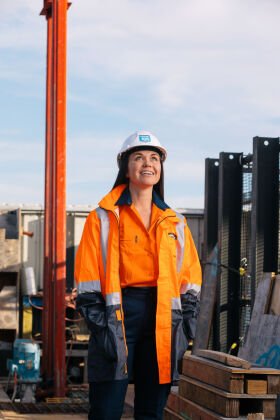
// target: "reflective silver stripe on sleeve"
[[89, 286], [176, 303], [180, 229], [193, 288], [104, 234], [113, 299]]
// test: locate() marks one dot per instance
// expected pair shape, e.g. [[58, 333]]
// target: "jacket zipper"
[[136, 239]]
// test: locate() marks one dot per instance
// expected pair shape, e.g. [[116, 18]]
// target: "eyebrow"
[[142, 154]]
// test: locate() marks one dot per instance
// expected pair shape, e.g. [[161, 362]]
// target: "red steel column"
[[60, 22], [55, 198]]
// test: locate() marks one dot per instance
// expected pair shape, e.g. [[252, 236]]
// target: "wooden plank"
[[208, 298], [207, 397], [254, 370], [173, 402], [229, 395], [228, 378], [225, 403], [255, 386], [213, 374], [255, 416], [189, 410], [225, 358], [265, 326], [171, 415], [269, 408], [273, 384], [262, 371], [195, 411]]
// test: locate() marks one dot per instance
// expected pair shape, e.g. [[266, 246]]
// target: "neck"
[[142, 200], [141, 197]]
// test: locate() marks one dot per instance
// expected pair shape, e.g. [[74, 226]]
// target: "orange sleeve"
[[190, 274], [87, 262]]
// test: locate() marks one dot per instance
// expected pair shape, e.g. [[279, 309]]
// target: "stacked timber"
[[216, 385]]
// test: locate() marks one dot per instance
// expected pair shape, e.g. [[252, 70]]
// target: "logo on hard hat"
[[145, 138]]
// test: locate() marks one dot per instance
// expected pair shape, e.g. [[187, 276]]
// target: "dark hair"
[[122, 178]]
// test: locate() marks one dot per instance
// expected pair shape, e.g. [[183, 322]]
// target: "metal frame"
[[265, 208], [262, 230], [229, 230], [54, 367]]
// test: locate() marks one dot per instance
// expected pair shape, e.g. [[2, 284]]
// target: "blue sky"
[[202, 75]]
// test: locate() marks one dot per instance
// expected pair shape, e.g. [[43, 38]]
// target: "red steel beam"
[[54, 366], [53, 189], [60, 20]]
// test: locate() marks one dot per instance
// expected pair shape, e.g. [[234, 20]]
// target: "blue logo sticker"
[[145, 138]]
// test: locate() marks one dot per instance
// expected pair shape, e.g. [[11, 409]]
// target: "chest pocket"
[[172, 242]]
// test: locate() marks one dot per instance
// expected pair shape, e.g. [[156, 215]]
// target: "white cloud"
[[22, 152], [23, 187], [185, 168], [185, 49], [21, 25], [207, 70], [92, 159]]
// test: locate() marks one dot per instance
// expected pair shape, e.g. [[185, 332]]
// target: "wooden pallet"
[[226, 403], [181, 408], [213, 390], [252, 381]]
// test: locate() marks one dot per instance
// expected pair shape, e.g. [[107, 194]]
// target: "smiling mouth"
[[147, 173]]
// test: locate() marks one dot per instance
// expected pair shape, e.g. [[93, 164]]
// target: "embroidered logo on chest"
[[172, 235]]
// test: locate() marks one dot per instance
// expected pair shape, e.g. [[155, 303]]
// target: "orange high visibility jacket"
[[99, 291]]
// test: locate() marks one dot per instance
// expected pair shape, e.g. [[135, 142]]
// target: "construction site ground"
[[8, 414]]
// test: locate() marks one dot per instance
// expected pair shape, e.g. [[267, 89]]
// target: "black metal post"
[[229, 233], [265, 208]]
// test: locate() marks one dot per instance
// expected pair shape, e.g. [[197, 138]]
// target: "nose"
[[147, 162]]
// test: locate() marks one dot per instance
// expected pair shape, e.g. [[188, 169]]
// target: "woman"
[[135, 259]]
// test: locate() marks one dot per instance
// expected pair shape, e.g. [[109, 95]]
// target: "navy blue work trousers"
[[107, 398]]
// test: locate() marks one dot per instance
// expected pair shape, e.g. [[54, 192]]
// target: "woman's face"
[[144, 168]]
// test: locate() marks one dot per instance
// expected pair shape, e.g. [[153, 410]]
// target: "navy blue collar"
[[125, 198]]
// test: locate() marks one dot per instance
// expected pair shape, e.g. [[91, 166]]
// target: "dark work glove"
[[190, 310]]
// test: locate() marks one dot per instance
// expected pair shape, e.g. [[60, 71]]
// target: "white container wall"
[[32, 248]]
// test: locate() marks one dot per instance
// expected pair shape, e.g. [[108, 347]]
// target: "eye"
[[138, 157], [155, 158]]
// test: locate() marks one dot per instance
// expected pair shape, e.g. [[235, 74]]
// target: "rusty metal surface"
[[45, 408], [76, 406], [55, 198]]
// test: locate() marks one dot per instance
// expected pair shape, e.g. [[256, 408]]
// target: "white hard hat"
[[144, 139]]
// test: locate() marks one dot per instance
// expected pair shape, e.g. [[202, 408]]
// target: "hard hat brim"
[[159, 150]]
